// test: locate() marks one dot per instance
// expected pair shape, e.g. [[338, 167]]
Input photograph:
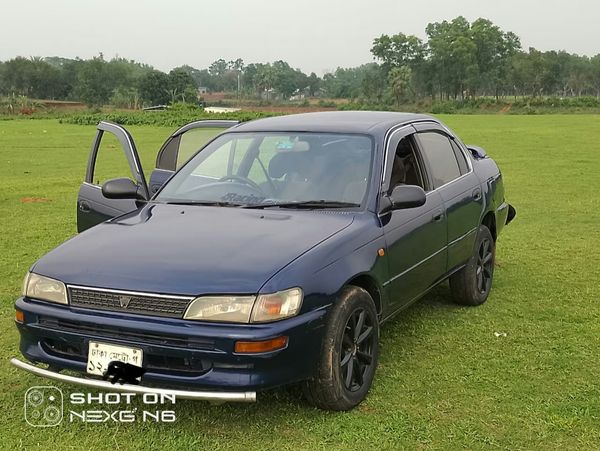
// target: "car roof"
[[367, 122]]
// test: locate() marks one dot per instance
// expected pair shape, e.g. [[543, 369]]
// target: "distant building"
[[202, 90]]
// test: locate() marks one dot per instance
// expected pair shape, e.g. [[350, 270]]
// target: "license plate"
[[101, 354]]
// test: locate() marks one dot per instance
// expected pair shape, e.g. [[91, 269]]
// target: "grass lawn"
[[445, 380]]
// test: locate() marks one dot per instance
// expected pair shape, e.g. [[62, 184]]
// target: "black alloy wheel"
[[473, 283], [357, 349], [485, 266], [349, 353]]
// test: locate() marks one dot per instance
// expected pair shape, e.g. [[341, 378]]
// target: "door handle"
[[438, 216], [477, 194], [84, 207]]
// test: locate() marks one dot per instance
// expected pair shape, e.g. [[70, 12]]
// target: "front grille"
[[140, 303], [152, 362], [72, 351], [119, 333]]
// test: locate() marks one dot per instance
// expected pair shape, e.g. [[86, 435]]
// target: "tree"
[[373, 82], [314, 84], [595, 75], [181, 86], [265, 78], [286, 78], [459, 59], [493, 50], [153, 88], [350, 82], [94, 86], [17, 76], [218, 67], [453, 57], [399, 80], [125, 98], [2, 79], [398, 50]]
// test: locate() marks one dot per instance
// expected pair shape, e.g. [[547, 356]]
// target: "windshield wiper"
[[308, 204], [209, 203]]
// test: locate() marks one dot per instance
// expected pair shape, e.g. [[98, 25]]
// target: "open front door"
[[182, 145], [113, 155]]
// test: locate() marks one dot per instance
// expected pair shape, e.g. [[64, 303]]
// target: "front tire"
[[349, 354], [472, 284]]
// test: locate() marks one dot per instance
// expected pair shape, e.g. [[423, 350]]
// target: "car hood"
[[190, 250]]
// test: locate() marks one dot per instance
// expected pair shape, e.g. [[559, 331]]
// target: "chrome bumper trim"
[[212, 396]]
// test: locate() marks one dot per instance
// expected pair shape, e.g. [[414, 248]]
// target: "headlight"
[[45, 289], [272, 307], [234, 309], [246, 309]]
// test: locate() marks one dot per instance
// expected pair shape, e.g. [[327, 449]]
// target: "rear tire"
[[348, 355], [472, 284]]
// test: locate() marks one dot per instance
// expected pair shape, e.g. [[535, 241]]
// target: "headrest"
[[284, 163], [398, 172]]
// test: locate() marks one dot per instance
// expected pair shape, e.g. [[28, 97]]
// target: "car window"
[[111, 161], [405, 168], [440, 158], [251, 168], [460, 157]]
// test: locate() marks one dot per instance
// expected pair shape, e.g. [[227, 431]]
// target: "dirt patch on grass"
[[35, 200]]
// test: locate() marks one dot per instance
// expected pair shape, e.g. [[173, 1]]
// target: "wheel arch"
[[489, 220], [370, 285]]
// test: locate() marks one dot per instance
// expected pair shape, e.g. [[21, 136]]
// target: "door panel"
[[92, 207], [464, 203], [416, 242]]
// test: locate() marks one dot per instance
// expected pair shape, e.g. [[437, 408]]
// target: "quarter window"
[[460, 157], [439, 154]]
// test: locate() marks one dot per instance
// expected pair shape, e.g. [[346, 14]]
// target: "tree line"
[[458, 60]]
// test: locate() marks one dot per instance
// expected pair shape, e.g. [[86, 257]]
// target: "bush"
[[327, 104], [176, 116]]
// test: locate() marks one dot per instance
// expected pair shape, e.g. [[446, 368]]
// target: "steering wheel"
[[244, 180]]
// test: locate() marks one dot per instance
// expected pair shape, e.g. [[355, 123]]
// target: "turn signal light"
[[19, 316], [256, 347]]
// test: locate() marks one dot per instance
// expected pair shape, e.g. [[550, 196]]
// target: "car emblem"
[[124, 301]]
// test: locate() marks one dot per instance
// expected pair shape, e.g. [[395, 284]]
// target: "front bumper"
[[214, 396], [177, 353]]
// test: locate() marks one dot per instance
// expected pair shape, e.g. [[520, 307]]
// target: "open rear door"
[[112, 144], [182, 145]]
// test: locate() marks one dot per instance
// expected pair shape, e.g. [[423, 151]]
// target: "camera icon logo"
[[43, 406]]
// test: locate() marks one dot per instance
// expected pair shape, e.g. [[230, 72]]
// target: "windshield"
[[265, 169]]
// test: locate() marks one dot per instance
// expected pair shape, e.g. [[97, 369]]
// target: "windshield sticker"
[[240, 199], [285, 145]]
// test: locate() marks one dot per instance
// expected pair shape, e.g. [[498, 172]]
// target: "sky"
[[313, 35]]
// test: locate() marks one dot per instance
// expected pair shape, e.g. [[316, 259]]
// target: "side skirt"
[[419, 296]]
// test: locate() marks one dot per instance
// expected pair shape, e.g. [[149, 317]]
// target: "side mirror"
[[478, 152], [403, 196], [121, 188]]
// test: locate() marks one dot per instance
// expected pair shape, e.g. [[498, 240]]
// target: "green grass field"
[[445, 380]]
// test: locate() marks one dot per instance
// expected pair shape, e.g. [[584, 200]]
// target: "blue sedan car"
[[261, 254]]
